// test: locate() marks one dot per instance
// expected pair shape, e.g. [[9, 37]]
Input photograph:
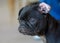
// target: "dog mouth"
[[26, 31], [26, 28]]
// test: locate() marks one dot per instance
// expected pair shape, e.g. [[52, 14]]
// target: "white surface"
[[37, 38]]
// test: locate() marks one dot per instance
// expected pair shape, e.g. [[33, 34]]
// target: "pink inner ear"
[[44, 8]]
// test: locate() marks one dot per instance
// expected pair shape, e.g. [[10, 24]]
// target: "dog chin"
[[29, 34]]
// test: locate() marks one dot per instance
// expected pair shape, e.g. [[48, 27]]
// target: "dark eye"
[[32, 20]]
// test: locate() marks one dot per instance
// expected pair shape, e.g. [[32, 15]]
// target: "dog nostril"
[[19, 30], [22, 29]]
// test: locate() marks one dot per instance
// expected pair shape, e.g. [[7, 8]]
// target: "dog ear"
[[19, 13]]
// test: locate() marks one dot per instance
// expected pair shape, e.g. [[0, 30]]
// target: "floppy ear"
[[19, 13]]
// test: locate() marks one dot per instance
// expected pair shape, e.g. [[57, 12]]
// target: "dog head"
[[32, 22]]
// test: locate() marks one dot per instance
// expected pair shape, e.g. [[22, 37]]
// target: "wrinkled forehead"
[[31, 12], [34, 13]]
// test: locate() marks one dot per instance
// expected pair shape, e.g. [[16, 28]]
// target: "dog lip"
[[25, 33]]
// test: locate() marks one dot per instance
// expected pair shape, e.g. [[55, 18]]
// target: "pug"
[[34, 21]]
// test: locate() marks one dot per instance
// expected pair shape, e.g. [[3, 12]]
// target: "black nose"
[[21, 29]]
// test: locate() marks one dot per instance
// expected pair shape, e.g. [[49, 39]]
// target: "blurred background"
[[9, 24]]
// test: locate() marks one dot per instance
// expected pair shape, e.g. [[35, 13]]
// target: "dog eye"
[[32, 21]]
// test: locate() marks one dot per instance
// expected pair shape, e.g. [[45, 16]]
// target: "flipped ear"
[[44, 8]]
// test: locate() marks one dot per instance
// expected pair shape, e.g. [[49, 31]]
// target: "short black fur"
[[33, 22]]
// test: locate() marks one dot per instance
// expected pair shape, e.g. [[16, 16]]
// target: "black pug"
[[33, 22]]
